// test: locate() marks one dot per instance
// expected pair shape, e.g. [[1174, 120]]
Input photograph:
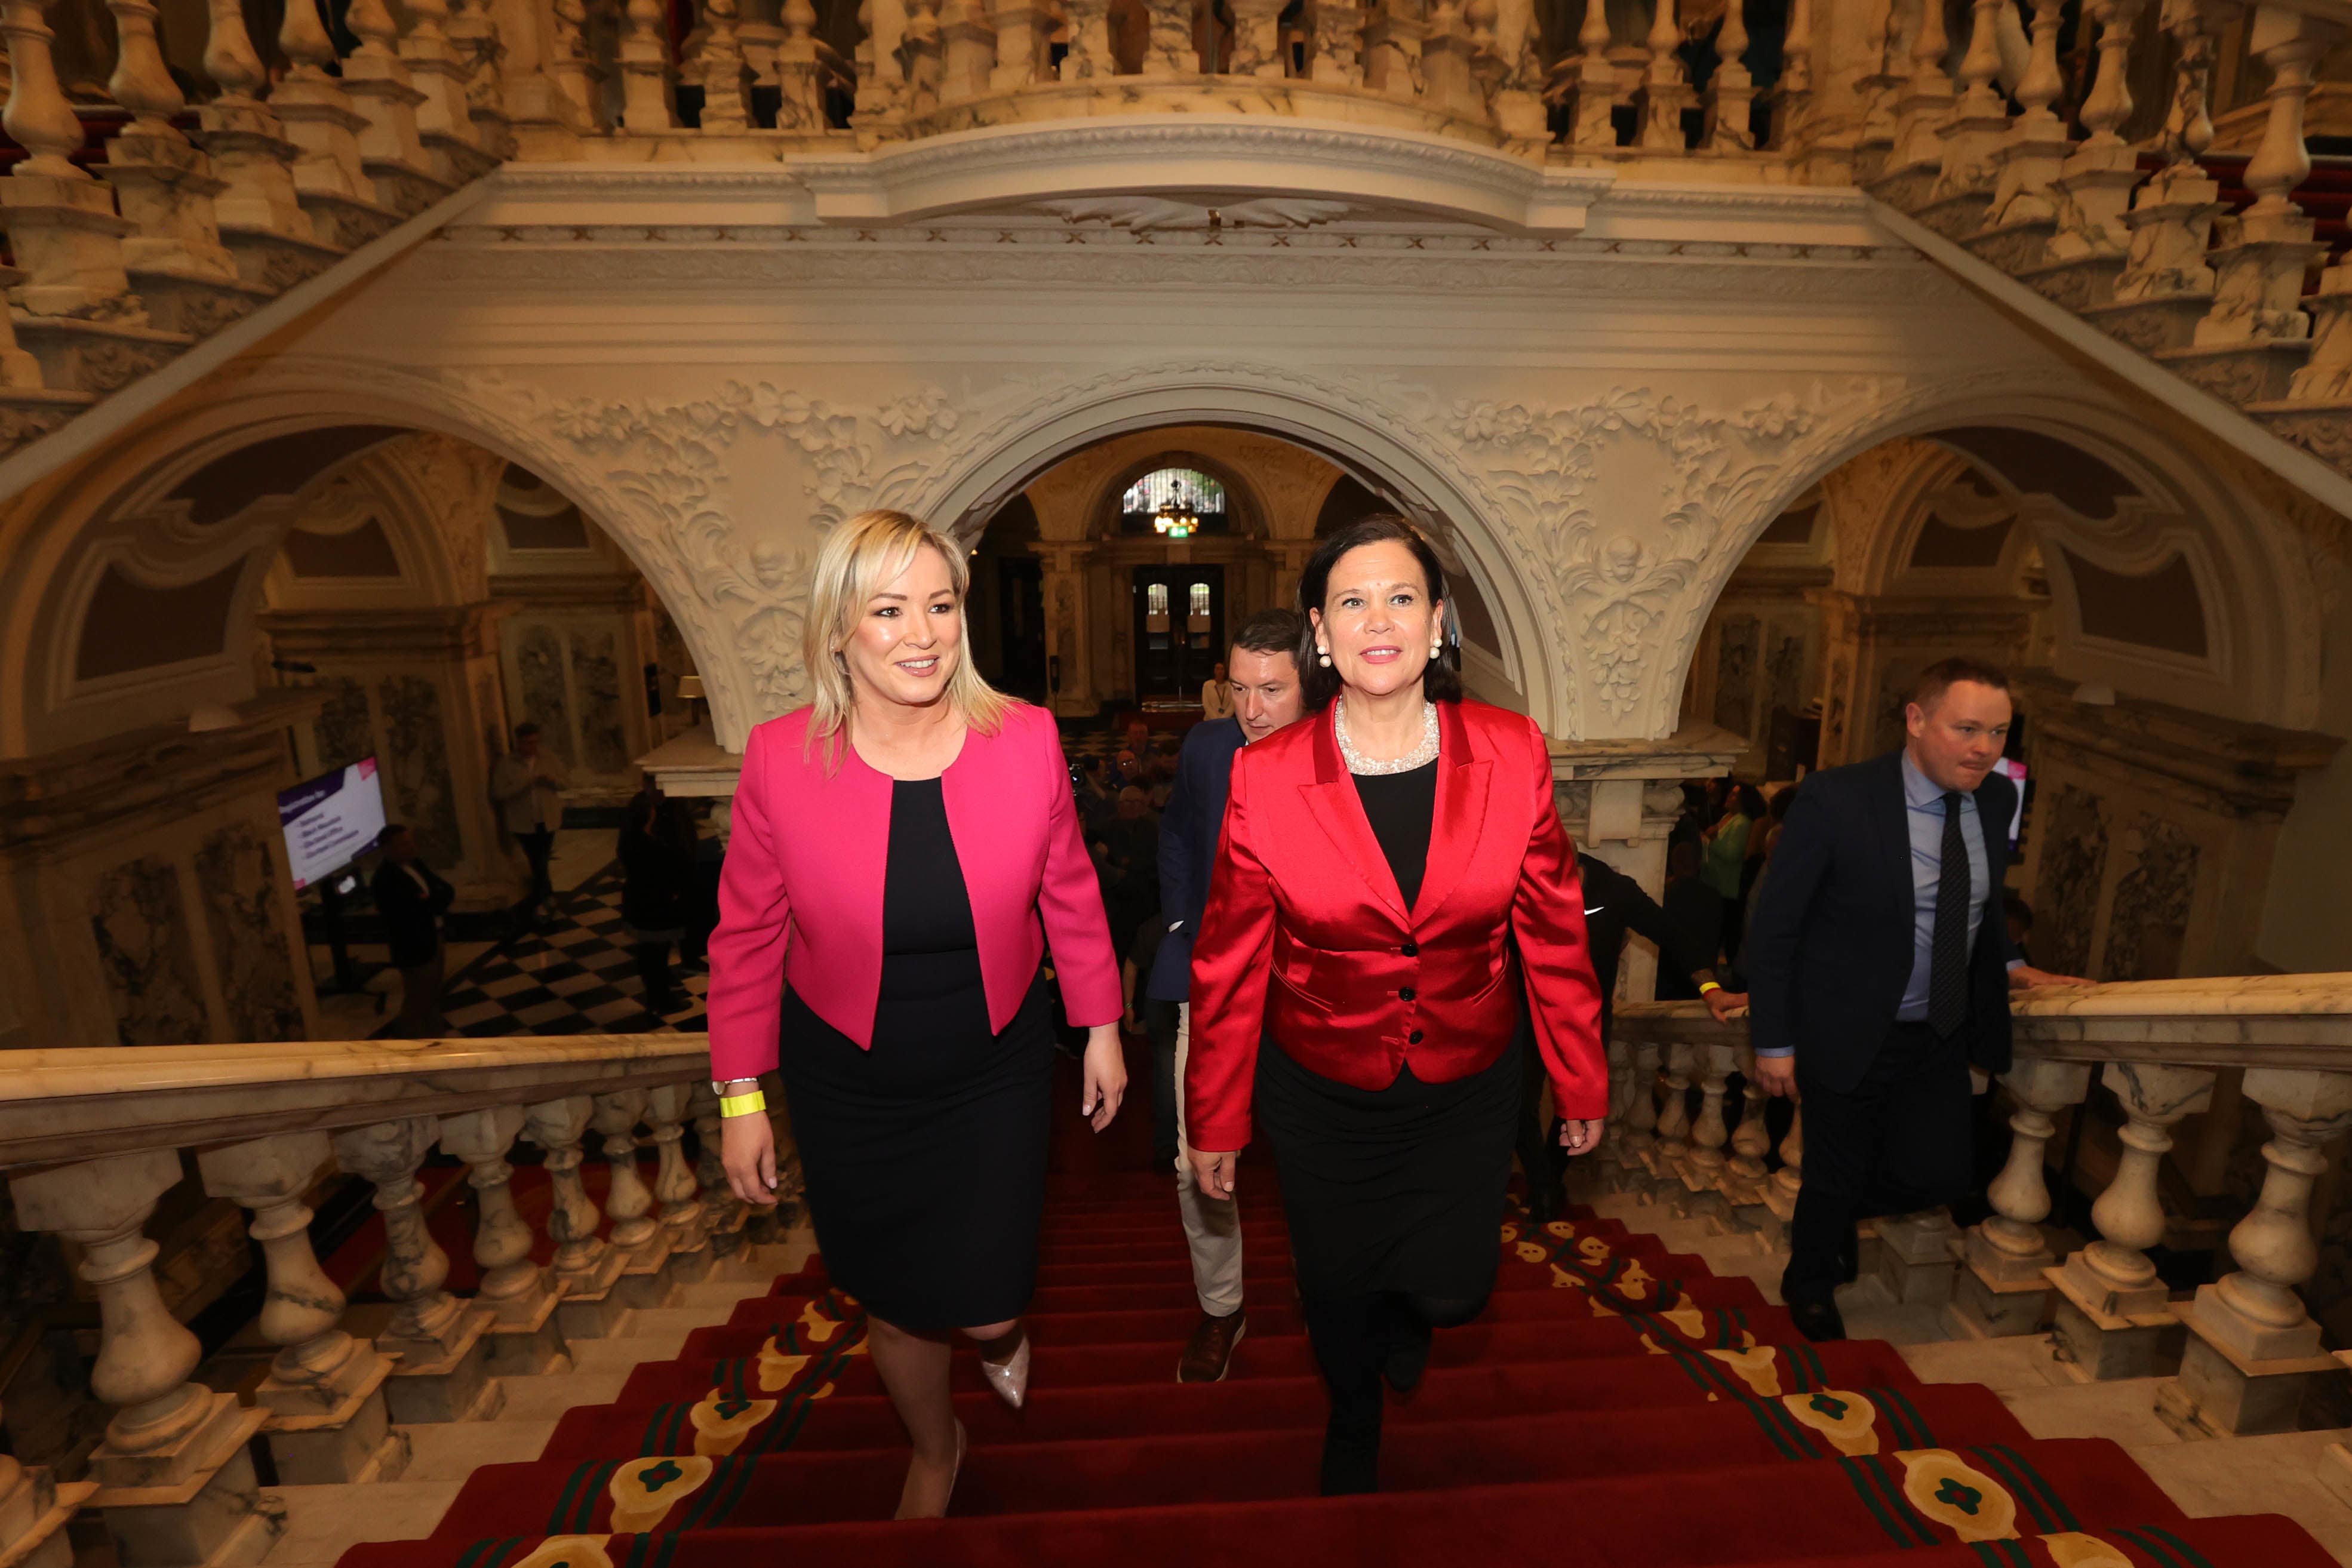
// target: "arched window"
[[1174, 503]]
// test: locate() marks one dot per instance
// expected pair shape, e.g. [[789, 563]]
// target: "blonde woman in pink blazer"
[[905, 850]]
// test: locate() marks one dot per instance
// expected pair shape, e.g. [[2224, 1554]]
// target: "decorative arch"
[[1102, 507]]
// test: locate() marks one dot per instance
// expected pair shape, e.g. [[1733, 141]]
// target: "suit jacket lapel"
[[1890, 818], [1461, 811], [1333, 800]]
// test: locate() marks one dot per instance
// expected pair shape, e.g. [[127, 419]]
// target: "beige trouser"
[[1213, 1226]]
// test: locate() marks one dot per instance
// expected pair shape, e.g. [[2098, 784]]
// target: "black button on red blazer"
[[1307, 937]]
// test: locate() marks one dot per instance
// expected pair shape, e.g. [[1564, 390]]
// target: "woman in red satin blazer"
[[1387, 867]]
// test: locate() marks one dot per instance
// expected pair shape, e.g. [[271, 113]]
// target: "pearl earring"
[[1323, 657], [1436, 649]]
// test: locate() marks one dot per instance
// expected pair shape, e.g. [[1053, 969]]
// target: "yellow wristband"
[[743, 1104], [1704, 987]]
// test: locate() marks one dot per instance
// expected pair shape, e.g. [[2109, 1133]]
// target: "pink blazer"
[[800, 899]]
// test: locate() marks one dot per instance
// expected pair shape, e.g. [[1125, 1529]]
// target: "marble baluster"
[[33, 1513], [1880, 87], [880, 73], [667, 1110], [445, 119], [1925, 103], [176, 1484], [1606, 1164], [1641, 1141], [1168, 51], [569, 62], [1979, 124], [2005, 1286], [2094, 190], [1673, 1147], [1731, 90], [328, 1418], [644, 67], [925, 54], [2166, 281], [800, 90], [1665, 86], [726, 81], [586, 1268], [1792, 94], [1339, 30], [637, 1235], [1022, 28], [1744, 1176], [164, 183], [761, 29], [1703, 1168], [967, 49], [2259, 269], [1780, 1192], [1258, 40], [1447, 82], [474, 38], [407, 178], [525, 1338], [444, 1372], [324, 125], [2112, 1315], [2034, 154], [62, 226], [247, 144], [727, 1214], [2253, 1348]]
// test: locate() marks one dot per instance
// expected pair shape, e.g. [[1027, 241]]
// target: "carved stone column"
[[725, 1212], [1703, 1168], [61, 222], [1780, 1192], [2032, 156], [392, 149], [524, 1336], [164, 184], [1665, 86], [1666, 1156], [34, 1509], [2095, 183], [443, 1373], [1731, 90], [176, 1483], [319, 117], [249, 149], [636, 1236], [2003, 1289], [586, 1269], [2253, 1349], [445, 121], [2112, 1320], [668, 1110], [328, 1418]]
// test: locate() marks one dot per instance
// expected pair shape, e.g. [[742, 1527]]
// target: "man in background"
[[412, 898], [527, 786], [1263, 666]]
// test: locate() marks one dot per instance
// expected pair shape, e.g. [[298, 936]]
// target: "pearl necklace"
[[1421, 756]]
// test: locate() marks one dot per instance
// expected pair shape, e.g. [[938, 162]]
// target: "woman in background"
[[905, 1011]]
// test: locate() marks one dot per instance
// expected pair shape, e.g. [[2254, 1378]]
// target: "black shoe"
[[1850, 1257], [1408, 1355], [1351, 1458], [1817, 1321], [1545, 1200]]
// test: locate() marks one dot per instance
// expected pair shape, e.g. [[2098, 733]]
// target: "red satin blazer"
[[1307, 937]]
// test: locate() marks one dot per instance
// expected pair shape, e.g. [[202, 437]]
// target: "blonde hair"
[[859, 556]]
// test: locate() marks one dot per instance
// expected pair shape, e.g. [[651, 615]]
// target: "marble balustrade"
[[91, 1141], [2237, 1356]]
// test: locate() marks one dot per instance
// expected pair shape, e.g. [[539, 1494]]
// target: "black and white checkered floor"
[[578, 977]]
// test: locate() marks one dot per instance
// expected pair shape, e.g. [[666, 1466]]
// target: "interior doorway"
[[1180, 631], [1020, 627]]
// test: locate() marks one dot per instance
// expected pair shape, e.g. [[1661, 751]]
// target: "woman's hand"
[[746, 1147], [1213, 1171], [1580, 1137], [1105, 1076]]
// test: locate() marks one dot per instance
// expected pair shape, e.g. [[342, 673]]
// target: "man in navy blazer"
[[1262, 673], [1875, 980]]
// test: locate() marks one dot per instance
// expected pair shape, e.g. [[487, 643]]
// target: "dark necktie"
[[1948, 956]]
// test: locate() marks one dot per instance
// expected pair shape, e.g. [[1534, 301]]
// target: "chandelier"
[[1176, 518]]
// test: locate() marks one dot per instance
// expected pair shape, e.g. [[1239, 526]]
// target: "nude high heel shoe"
[[1011, 1380]]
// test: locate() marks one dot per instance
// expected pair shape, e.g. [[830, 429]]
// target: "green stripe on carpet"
[[2013, 1463], [1887, 1504], [1911, 1429]]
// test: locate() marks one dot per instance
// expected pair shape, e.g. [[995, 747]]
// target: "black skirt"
[[925, 1157], [1392, 1189]]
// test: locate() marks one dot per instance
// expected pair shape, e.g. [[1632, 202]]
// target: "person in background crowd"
[[1875, 980], [527, 784], [1762, 837], [656, 872], [1216, 696], [1374, 859], [1264, 696], [1131, 862], [412, 898], [1697, 910], [1727, 856], [1162, 774], [1139, 739], [905, 850], [701, 911], [1614, 905]]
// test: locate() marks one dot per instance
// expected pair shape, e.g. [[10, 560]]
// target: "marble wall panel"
[[1835, 679], [344, 731], [140, 927], [418, 765], [545, 698], [490, 715], [1894, 680], [253, 953], [2149, 915], [596, 686], [1735, 674], [2074, 864], [1784, 665]]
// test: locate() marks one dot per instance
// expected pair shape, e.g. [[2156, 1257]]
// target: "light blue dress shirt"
[[1923, 815]]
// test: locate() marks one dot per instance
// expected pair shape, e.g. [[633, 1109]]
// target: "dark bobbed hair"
[[1271, 631], [1440, 679]]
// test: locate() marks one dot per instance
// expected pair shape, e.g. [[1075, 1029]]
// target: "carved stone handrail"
[[80, 1104]]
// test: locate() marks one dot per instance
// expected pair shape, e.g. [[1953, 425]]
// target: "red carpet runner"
[[1617, 1406]]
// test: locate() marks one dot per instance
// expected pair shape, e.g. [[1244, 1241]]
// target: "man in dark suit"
[[1262, 670], [412, 898], [1874, 979]]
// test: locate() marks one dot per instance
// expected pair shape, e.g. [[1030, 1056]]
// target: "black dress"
[[925, 1157], [1396, 1189]]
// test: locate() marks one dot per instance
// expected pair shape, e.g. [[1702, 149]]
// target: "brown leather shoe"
[[1210, 1355]]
